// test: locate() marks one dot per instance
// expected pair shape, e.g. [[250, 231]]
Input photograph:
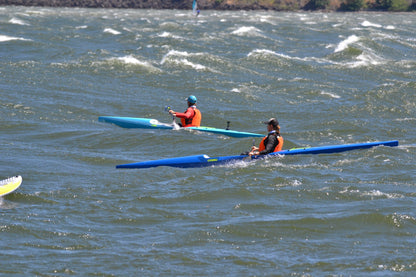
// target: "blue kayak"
[[147, 123], [205, 160]]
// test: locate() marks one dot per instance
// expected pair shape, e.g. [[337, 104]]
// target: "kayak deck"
[[147, 123], [9, 185], [205, 160]]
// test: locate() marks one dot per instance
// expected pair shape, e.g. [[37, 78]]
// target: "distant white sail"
[[194, 7]]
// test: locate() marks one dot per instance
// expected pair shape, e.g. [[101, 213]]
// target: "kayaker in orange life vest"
[[192, 116], [273, 142]]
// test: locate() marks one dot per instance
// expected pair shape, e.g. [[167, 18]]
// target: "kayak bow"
[[205, 160], [10, 184]]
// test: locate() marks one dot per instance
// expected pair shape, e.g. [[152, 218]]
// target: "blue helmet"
[[191, 99]]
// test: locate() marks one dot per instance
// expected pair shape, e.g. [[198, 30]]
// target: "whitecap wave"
[[266, 52], [18, 21], [111, 31], [406, 119], [168, 35], [133, 61], [365, 60], [346, 42], [369, 24], [180, 58], [190, 64], [9, 38], [377, 193], [372, 194], [332, 95], [247, 30], [172, 53]]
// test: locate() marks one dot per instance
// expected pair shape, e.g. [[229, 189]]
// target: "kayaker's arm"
[[271, 143], [188, 114]]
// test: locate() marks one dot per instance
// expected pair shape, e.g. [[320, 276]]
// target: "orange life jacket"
[[195, 121], [278, 147]]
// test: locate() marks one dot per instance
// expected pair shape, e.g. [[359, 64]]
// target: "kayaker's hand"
[[254, 152], [172, 112]]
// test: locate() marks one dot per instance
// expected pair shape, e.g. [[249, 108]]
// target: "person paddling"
[[273, 142], [192, 116]]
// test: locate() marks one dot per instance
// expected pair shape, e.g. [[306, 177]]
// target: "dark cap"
[[272, 121]]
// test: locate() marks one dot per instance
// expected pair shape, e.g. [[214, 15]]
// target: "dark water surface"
[[328, 78]]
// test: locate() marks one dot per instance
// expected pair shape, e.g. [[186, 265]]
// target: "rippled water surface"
[[329, 78]]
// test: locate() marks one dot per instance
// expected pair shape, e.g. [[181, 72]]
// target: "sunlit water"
[[329, 79]]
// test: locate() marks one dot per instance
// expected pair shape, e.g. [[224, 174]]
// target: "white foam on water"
[[365, 60], [191, 64], [332, 95], [345, 43], [4, 38], [175, 53], [168, 35], [247, 30], [369, 24], [372, 193], [180, 58], [133, 61], [269, 52], [111, 31], [18, 21]]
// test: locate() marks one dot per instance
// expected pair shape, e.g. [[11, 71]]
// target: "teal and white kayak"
[[147, 123], [205, 160]]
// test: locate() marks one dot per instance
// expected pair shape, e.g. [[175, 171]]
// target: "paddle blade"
[[175, 125]]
